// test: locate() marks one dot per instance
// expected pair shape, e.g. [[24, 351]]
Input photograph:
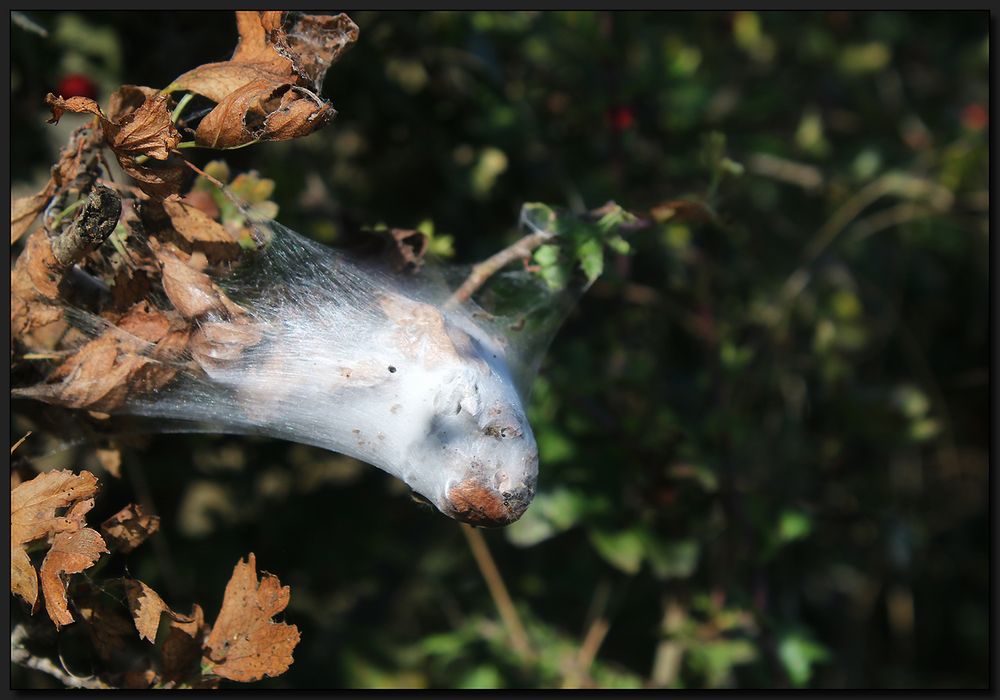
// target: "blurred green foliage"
[[763, 431]]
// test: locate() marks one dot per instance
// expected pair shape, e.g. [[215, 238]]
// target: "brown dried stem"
[[493, 264], [498, 591], [90, 228]]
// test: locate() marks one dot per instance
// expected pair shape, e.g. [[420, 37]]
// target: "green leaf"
[[623, 550], [672, 559], [591, 257], [547, 254], [481, 677], [793, 525], [538, 216], [619, 245], [798, 655], [551, 513]]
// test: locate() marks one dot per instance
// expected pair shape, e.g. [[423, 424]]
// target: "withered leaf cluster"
[[50, 510], [149, 242], [181, 650], [269, 89]]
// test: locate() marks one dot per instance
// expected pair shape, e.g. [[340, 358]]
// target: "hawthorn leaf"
[[245, 644], [129, 527], [71, 553]]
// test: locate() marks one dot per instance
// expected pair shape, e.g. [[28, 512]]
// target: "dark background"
[[754, 482]]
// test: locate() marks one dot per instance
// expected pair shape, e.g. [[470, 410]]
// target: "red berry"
[[975, 117], [76, 85], [621, 118]]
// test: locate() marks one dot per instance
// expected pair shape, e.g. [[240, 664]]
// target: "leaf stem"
[[181, 104]]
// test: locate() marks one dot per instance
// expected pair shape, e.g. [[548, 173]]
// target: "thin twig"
[[889, 218], [20, 442], [493, 264], [498, 591], [669, 652], [201, 172], [22, 657]]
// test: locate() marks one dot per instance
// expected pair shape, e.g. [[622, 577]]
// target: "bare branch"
[[496, 262]]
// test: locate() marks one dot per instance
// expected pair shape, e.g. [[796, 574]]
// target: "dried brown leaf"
[[96, 377], [130, 286], [264, 110], [144, 131], [299, 113], [24, 210], [157, 181], [193, 224], [190, 291], [315, 42], [34, 503], [110, 630], [268, 90], [145, 321], [127, 99], [129, 527], [282, 46], [180, 654], [216, 343], [147, 607], [134, 131], [71, 553], [80, 105], [245, 645], [180, 638]]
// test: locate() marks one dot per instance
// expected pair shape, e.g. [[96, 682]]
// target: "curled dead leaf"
[[190, 291], [264, 110], [145, 321], [245, 644], [127, 99], [102, 375], [218, 342], [24, 210], [282, 46], [193, 224], [129, 527], [71, 553], [268, 90], [79, 105], [144, 131], [134, 130], [95, 377]]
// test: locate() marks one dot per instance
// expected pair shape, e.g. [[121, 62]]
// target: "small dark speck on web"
[[391, 368]]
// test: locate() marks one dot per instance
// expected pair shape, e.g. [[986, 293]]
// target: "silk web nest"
[[250, 327]]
